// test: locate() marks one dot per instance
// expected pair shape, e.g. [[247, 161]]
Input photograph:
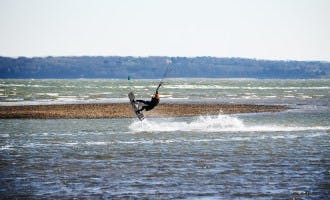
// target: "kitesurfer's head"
[[156, 95]]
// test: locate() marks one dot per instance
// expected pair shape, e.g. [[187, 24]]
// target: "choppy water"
[[244, 156], [228, 90]]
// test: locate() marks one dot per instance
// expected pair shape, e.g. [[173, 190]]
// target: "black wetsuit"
[[149, 105]]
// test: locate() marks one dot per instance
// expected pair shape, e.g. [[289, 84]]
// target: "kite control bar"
[[160, 84]]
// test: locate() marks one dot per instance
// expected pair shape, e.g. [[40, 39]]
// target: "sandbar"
[[124, 110]]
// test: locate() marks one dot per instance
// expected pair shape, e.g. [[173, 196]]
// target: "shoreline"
[[124, 110]]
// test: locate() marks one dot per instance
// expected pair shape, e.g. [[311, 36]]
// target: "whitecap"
[[6, 147], [271, 96], [289, 96], [48, 94], [4, 135], [97, 143]]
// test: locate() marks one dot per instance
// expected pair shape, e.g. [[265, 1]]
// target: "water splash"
[[202, 123], [220, 123]]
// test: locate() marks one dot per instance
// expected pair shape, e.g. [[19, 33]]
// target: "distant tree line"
[[154, 67]]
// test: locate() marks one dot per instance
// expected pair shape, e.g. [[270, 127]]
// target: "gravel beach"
[[124, 110]]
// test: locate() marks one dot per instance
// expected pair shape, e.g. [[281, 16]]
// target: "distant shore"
[[124, 110]]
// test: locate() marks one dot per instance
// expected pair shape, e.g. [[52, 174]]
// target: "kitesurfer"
[[149, 105]]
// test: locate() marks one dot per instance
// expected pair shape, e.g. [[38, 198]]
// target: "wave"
[[25, 85], [61, 100], [185, 86], [220, 123], [223, 138]]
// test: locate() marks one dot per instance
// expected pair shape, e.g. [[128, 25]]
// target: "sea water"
[[282, 155]]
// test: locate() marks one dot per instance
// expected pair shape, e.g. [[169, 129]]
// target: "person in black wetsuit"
[[148, 105]]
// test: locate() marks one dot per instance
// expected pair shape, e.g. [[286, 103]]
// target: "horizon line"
[[166, 56]]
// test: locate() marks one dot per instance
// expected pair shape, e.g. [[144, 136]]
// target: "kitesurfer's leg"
[[142, 101], [140, 105], [140, 110]]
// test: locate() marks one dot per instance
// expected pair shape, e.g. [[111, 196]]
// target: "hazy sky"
[[263, 29]]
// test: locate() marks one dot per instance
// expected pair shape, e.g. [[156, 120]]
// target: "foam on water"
[[52, 94], [6, 147], [203, 123], [220, 123], [221, 138], [188, 86]]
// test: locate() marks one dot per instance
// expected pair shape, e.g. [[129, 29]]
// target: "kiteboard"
[[135, 107]]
